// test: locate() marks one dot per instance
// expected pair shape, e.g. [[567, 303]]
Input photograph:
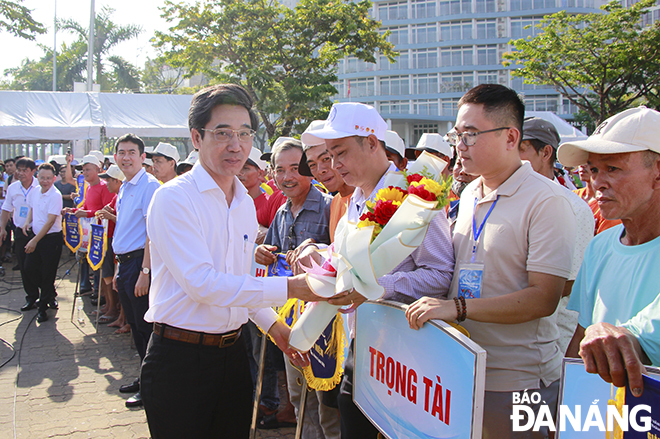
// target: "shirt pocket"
[[319, 232]]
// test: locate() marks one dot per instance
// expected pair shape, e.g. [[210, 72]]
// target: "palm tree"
[[107, 35]]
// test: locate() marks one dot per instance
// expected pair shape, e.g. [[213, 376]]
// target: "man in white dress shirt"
[[43, 250], [195, 379]]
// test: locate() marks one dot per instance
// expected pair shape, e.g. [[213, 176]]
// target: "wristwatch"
[[146, 270]]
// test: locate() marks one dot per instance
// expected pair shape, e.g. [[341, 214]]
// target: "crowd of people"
[[563, 271]]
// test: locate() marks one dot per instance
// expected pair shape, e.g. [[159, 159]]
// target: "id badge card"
[[470, 279], [22, 213]]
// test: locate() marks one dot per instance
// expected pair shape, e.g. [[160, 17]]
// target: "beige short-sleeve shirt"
[[531, 228]]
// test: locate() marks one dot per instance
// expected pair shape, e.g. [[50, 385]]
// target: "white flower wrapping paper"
[[359, 262]]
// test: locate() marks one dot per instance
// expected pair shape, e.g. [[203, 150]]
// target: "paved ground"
[[63, 379]]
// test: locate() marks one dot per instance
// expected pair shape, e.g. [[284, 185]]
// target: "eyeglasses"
[[469, 139], [224, 135]]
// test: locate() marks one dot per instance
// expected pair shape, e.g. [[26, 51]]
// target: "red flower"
[[414, 177], [384, 211], [368, 216], [422, 193]]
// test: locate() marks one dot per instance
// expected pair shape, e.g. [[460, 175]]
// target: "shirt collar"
[[136, 178], [358, 195], [312, 202], [35, 182], [205, 182], [506, 189]]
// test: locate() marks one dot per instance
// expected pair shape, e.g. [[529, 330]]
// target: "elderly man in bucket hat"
[[616, 291]]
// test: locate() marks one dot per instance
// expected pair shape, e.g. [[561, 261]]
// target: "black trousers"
[[195, 391], [20, 240], [354, 425], [40, 269], [134, 307]]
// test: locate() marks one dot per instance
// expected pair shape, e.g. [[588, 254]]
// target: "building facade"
[[445, 48]]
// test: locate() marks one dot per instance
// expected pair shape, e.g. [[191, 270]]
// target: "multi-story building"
[[445, 48]]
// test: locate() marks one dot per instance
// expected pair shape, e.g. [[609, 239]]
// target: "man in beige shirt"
[[513, 243]]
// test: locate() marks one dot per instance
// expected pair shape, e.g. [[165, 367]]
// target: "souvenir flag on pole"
[[98, 244], [72, 232], [82, 191]]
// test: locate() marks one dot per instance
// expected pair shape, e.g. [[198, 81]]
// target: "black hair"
[[500, 103], [26, 162], [133, 139], [48, 167], [205, 100]]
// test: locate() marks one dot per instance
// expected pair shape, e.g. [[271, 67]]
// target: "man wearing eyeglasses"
[[195, 379], [515, 231]]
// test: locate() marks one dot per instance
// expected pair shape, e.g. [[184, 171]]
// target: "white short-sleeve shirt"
[[44, 204]]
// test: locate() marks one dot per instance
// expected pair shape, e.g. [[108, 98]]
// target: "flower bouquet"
[[390, 229]]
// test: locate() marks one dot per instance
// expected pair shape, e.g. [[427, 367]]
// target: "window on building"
[[525, 27], [486, 6], [449, 107], [425, 58], [456, 82], [399, 34], [426, 106], [394, 85], [452, 7], [400, 62], [425, 84], [361, 87], [567, 107], [339, 85], [487, 55], [486, 29], [395, 107], [487, 77], [425, 33], [420, 129], [460, 30], [393, 11], [423, 8], [541, 103], [456, 56], [525, 5]]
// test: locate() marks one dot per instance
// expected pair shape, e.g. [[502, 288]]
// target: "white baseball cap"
[[90, 158], [434, 142], [190, 160], [395, 143], [166, 150], [636, 129], [113, 172], [315, 125], [98, 154], [148, 162], [255, 159], [349, 119]]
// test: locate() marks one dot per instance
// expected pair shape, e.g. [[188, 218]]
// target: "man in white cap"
[[164, 156], [96, 196], [395, 150], [433, 143], [616, 291], [252, 175], [353, 135], [187, 164]]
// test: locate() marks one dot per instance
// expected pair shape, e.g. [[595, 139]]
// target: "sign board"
[[584, 399], [417, 384]]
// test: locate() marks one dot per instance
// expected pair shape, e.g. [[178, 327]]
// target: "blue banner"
[[98, 243], [82, 190], [72, 232]]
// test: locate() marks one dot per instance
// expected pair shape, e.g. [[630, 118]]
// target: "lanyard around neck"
[[476, 233]]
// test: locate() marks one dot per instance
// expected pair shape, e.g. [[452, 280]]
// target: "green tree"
[[17, 19], [602, 62], [122, 75], [158, 77], [285, 57], [38, 74]]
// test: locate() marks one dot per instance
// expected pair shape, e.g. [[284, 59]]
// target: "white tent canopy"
[[56, 117], [567, 132]]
